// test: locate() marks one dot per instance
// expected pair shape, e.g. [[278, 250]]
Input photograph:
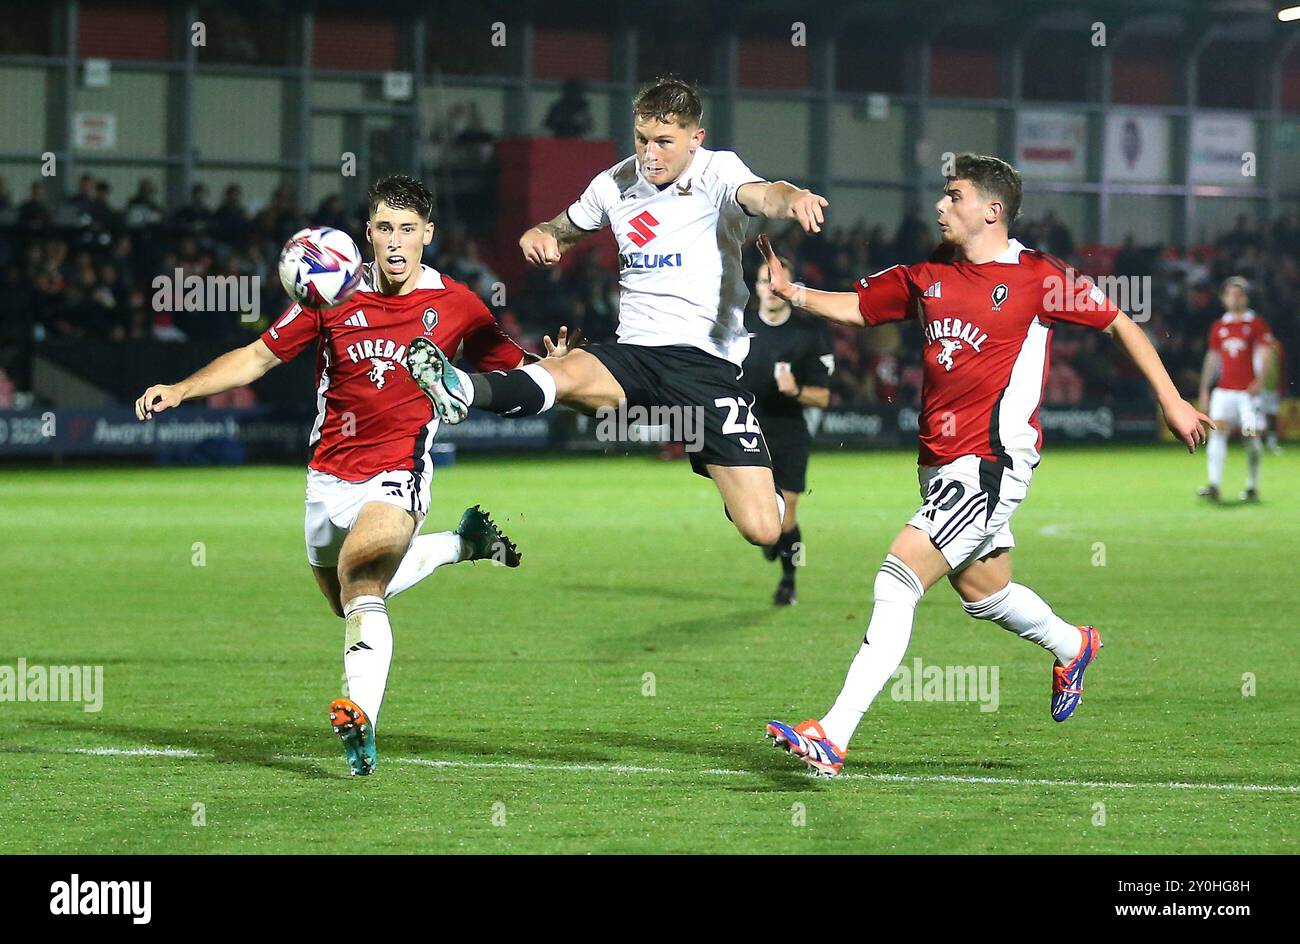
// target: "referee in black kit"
[[788, 368]]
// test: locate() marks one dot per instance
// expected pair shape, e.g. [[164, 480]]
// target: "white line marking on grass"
[[124, 752], [632, 769], [1090, 784]]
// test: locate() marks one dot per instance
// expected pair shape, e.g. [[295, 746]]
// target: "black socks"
[[508, 393], [786, 547]]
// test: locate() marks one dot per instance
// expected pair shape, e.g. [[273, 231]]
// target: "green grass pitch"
[[517, 717]]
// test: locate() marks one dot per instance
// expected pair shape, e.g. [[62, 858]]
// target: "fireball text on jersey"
[[371, 416]]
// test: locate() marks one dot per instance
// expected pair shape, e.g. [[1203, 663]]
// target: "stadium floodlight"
[[1289, 14]]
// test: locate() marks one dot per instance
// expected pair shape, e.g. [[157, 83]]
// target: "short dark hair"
[[669, 97], [401, 193], [992, 177]]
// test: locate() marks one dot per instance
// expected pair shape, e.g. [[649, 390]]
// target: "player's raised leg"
[[577, 379], [752, 501], [371, 554], [912, 567], [987, 593], [477, 537]]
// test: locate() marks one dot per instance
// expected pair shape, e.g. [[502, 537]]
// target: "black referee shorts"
[[790, 444]]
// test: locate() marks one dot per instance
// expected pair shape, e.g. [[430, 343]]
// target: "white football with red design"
[[320, 267]]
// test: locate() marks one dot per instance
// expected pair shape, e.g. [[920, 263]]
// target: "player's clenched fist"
[[157, 398], [540, 247]]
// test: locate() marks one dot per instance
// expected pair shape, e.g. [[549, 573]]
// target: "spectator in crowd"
[[570, 115], [195, 216], [330, 213], [143, 209], [34, 213], [231, 220]]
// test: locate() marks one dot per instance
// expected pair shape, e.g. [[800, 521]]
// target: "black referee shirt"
[[802, 342]]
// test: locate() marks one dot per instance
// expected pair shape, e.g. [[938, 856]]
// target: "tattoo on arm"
[[565, 233]]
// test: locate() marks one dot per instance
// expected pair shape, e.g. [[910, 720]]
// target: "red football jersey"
[[1236, 337], [987, 332], [370, 415]]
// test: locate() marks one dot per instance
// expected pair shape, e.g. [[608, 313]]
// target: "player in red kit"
[[370, 468], [987, 306], [1240, 353]]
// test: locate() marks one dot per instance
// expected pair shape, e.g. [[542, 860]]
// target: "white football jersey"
[[679, 249]]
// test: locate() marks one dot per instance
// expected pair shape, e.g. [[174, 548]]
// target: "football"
[[320, 267]]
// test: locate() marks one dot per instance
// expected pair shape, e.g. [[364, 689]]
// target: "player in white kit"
[[679, 212]]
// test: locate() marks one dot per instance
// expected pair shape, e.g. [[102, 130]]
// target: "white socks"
[[427, 553], [1216, 453], [1254, 449], [1018, 609], [367, 653], [542, 377], [898, 590]]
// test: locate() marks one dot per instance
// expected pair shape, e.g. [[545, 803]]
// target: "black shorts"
[[790, 444], [682, 376]]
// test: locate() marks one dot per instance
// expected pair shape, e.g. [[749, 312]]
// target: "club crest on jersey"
[[430, 319], [1000, 293], [684, 191], [953, 335], [377, 371]]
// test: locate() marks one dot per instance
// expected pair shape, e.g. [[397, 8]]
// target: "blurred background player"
[[1270, 368], [1239, 342], [986, 310], [788, 368], [370, 469], [679, 212]]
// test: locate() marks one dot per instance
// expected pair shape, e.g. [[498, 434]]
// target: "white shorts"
[[967, 506], [1269, 402], [1238, 408], [333, 505]]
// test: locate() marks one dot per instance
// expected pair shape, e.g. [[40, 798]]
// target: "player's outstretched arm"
[[546, 242], [840, 307], [784, 201], [233, 369], [1184, 420]]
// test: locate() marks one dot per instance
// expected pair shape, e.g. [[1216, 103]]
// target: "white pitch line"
[[625, 769], [122, 752]]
